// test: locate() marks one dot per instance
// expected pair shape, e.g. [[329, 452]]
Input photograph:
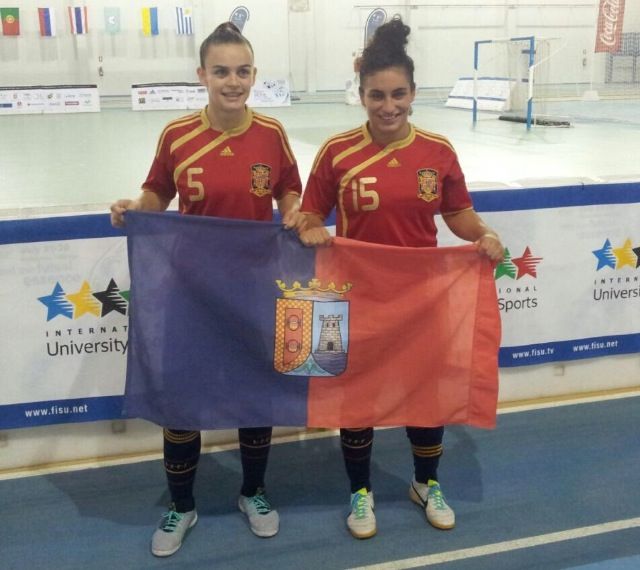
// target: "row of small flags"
[[78, 21]]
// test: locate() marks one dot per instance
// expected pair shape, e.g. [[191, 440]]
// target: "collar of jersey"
[[231, 132], [392, 145]]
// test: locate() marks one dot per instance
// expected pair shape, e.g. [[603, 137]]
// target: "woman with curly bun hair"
[[388, 179]]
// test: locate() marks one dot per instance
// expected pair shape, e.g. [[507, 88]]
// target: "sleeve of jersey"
[[455, 195], [320, 193], [289, 180], [160, 177]]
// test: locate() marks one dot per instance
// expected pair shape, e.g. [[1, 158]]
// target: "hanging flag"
[[150, 21], [47, 21], [10, 21], [78, 19], [184, 21], [235, 323], [610, 20], [112, 20]]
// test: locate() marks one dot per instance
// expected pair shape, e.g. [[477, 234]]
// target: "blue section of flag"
[[77, 14], [46, 20], [153, 16], [231, 277]]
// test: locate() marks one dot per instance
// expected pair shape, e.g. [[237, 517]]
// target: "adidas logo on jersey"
[[393, 163], [226, 151]]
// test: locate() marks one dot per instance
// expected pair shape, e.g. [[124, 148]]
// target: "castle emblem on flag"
[[312, 329], [260, 179], [427, 184]]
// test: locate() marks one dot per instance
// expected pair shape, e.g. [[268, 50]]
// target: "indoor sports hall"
[[541, 101]]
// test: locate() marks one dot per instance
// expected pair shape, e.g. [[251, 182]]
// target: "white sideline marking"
[[507, 546]]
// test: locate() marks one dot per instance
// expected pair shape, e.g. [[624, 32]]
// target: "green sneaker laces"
[[359, 505], [261, 504], [435, 494], [170, 521]]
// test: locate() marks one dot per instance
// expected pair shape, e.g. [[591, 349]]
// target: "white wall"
[[310, 42]]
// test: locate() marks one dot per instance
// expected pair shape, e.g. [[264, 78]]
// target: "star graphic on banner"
[[111, 300], [57, 303], [125, 295], [605, 256], [625, 255], [636, 250], [506, 267], [526, 264], [84, 302]]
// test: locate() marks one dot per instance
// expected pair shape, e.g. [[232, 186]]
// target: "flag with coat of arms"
[[235, 323]]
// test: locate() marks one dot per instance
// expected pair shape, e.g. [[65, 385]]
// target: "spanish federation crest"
[[312, 329], [427, 184], [260, 179]]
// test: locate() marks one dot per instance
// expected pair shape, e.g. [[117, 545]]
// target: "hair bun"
[[393, 36]]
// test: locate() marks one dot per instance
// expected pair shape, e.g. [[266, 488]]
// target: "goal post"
[[507, 72]]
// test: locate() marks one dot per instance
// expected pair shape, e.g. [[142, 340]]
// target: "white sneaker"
[[362, 520], [263, 520], [171, 531], [430, 497]]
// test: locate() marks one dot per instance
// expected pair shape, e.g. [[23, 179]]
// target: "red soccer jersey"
[[387, 194], [230, 174]]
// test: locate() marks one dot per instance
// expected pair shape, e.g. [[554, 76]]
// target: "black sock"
[[181, 455], [255, 444], [356, 450], [426, 446]]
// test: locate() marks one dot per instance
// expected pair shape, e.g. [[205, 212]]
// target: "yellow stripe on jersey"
[[195, 156], [274, 124], [174, 125], [344, 181], [335, 139], [355, 148], [213, 144], [201, 128], [435, 138]]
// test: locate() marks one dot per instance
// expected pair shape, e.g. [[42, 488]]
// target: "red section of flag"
[[610, 20], [424, 335]]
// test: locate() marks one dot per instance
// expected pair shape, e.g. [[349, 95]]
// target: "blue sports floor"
[[552, 488]]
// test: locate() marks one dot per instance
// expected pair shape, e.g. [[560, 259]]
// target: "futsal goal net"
[[510, 80]]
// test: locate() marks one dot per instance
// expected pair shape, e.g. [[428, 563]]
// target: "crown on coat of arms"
[[314, 288]]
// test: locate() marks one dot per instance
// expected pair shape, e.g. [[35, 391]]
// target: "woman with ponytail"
[[209, 160]]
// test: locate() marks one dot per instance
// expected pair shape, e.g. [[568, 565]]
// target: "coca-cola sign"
[[610, 18]]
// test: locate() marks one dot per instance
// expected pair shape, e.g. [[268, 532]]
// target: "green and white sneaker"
[[171, 531], [362, 520], [263, 520], [430, 497]]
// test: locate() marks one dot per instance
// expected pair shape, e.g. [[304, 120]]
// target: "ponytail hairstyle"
[[225, 33], [388, 48]]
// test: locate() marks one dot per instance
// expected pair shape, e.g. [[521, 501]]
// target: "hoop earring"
[[410, 112]]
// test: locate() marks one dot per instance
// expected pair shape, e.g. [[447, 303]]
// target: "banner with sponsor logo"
[[610, 20], [166, 96], [63, 320], [39, 99], [568, 289]]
